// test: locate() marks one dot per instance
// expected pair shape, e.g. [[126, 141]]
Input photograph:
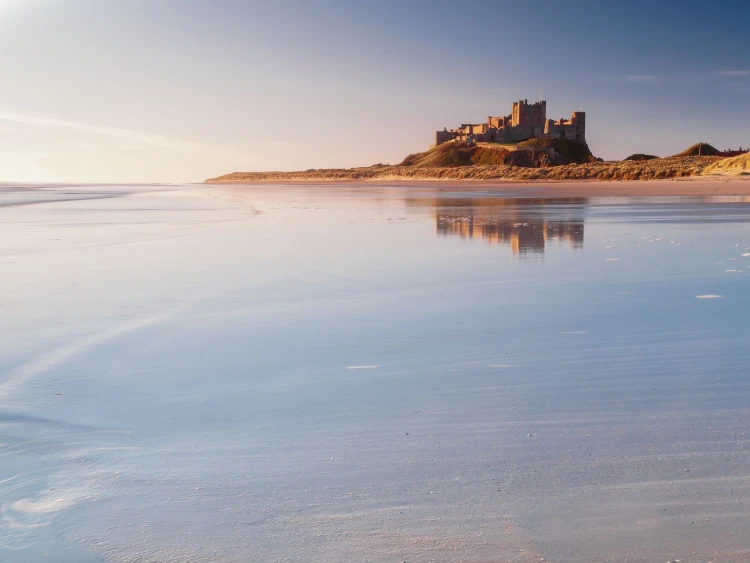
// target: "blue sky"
[[172, 91]]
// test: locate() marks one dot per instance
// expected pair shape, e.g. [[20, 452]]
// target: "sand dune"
[[671, 167], [734, 166]]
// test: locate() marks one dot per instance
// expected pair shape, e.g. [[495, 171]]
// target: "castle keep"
[[526, 121]]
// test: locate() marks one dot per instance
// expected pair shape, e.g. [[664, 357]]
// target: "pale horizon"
[[172, 92]]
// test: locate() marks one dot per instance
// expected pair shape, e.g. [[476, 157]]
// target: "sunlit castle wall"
[[529, 114]]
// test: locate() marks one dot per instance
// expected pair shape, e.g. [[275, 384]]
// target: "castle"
[[526, 121]]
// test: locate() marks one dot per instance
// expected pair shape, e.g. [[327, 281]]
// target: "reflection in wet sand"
[[525, 224], [293, 373]]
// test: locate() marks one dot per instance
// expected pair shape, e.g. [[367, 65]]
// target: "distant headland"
[[523, 145]]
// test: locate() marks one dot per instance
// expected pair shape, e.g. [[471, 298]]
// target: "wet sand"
[[373, 373], [672, 187], [692, 186]]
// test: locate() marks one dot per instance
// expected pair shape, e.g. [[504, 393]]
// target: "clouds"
[[141, 137], [726, 75], [643, 78], [738, 80], [38, 147]]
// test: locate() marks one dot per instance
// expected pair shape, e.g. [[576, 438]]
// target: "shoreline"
[[685, 186], [446, 169]]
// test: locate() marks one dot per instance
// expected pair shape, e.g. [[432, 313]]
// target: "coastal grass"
[[660, 168], [700, 149], [572, 151], [454, 154], [641, 156], [457, 154], [533, 159], [733, 166]]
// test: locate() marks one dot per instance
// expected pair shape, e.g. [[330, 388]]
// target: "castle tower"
[[578, 118], [525, 113]]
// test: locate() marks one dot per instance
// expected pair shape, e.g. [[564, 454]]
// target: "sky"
[[182, 90]]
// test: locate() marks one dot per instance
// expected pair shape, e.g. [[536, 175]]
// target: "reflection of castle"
[[525, 224]]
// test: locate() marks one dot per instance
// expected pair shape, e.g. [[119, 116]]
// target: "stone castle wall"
[[526, 121], [525, 113]]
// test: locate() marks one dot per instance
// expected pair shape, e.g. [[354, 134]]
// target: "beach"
[[365, 371], [688, 186]]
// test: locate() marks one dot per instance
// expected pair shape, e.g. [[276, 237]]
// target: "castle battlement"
[[526, 121], [525, 113]]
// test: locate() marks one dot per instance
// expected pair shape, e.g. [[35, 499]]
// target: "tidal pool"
[[372, 373]]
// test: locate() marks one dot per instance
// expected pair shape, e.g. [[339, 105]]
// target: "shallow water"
[[373, 374]]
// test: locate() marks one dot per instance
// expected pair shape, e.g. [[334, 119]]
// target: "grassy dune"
[[733, 166], [450, 155], [671, 167], [544, 159], [700, 149]]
